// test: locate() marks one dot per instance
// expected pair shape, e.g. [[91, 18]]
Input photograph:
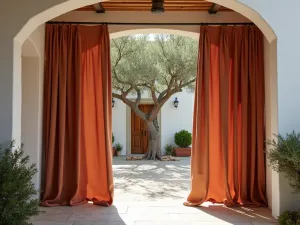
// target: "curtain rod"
[[165, 24]]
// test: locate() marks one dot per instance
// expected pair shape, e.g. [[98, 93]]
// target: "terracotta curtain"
[[228, 161], [77, 116]]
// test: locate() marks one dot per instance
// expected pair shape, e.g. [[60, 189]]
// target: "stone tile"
[[160, 223], [51, 223], [149, 223], [220, 223], [164, 210], [173, 217], [102, 223], [136, 204], [94, 217], [87, 208], [58, 217]]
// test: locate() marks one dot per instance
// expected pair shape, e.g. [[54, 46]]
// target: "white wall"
[[119, 123], [176, 119], [30, 77], [32, 97]]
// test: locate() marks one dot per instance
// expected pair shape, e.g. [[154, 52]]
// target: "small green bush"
[[169, 150], [113, 138], [119, 147], [17, 192], [284, 157], [183, 138], [289, 218]]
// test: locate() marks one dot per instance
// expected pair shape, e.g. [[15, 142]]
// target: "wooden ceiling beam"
[[99, 8], [214, 9]]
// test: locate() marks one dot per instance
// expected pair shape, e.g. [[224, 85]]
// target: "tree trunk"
[[153, 152]]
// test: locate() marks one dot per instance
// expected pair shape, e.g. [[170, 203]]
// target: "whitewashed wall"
[[175, 119], [32, 97], [119, 123], [172, 119]]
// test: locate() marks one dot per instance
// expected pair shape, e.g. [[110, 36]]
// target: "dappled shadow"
[[151, 180], [152, 193]]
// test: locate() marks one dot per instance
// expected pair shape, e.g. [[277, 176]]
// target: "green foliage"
[[284, 157], [17, 191], [168, 61], [289, 218], [119, 147], [183, 138], [169, 150], [113, 138]]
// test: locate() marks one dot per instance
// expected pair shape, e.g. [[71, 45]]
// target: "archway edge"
[[29, 48], [66, 6]]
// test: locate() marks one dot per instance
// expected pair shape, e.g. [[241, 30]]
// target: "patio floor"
[[152, 193]]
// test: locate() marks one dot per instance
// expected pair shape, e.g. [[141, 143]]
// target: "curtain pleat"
[[77, 116], [228, 161]]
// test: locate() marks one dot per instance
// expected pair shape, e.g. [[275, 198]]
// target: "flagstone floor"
[[152, 193]]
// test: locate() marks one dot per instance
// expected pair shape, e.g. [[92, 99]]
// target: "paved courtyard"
[[152, 193]]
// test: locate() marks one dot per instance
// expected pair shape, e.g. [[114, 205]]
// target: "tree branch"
[[132, 105], [153, 94], [139, 96], [187, 83]]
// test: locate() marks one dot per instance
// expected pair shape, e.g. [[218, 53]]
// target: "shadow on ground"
[[152, 193], [144, 180]]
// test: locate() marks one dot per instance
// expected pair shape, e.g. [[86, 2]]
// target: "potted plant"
[[119, 149], [169, 150], [113, 148], [183, 139]]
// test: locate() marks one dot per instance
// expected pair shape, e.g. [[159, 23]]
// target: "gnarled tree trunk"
[[153, 152]]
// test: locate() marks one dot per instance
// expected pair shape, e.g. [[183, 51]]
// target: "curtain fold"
[[228, 161], [77, 116]]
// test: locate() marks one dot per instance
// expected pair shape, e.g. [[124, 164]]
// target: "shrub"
[[183, 138], [169, 150], [289, 218], [17, 191], [113, 138], [119, 147], [284, 157]]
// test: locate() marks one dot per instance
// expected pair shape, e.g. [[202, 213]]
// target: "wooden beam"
[[214, 9], [99, 8]]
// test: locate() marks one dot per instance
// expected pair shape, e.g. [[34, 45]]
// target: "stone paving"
[[152, 193]]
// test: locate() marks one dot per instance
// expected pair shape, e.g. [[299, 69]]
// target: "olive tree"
[[158, 68]]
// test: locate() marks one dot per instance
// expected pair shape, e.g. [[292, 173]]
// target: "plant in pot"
[[284, 157], [183, 139], [119, 149], [169, 150], [113, 148]]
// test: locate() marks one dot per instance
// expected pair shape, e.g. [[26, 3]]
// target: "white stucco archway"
[[271, 69]]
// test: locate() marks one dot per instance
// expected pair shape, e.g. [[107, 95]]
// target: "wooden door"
[[139, 133]]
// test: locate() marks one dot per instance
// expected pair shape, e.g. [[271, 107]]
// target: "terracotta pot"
[[182, 152], [119, 153], [113, 151]]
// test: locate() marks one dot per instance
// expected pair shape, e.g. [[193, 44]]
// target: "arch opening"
[[270, 59]]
